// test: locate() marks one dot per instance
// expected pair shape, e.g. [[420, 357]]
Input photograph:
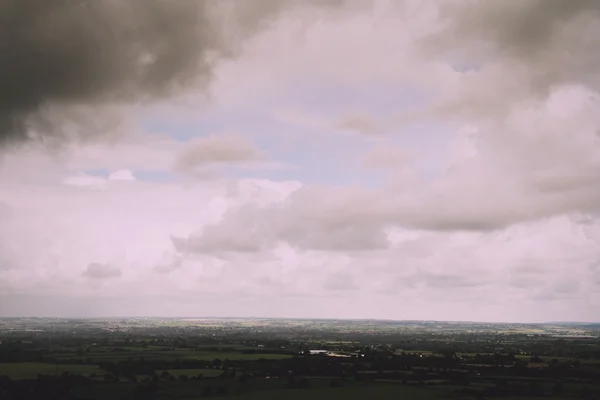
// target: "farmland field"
[[374, 392], [273, 359], [29, 370], [207, 373], [167, 355]]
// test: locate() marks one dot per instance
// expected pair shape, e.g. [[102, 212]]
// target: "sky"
[[400, 159]]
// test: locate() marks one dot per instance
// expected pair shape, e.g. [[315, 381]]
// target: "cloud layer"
[[60, 57], [408, 160]]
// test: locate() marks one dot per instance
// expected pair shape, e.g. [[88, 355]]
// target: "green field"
[[371, 392], [274, 389], [197, 363], [206, 373], [169, 355], [26, 370]]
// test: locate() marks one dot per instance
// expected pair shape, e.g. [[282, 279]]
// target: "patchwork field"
[[30, 370], [272, 360]]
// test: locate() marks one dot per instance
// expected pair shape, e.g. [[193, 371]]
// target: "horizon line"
[[298, 318]]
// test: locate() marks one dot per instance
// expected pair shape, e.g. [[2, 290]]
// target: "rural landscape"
[[194, 358], [299, 199]]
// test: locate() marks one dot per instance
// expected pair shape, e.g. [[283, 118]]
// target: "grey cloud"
[[57, 56], [340, 282], [359, 123], [169, 267], [348, 237], [523, 282], [102, 271], [595, 271], [386, 157], [8, 257], [336, 224], [441, 281], [216, 150], [551, 294], [566, 286], [355, 220], [395, 285], [5, 210], [216, 240], [242, 230], [556, 41], [248, 239], [530, 267], [74, 51]]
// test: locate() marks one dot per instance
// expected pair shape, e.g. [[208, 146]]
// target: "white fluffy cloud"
[[468, 187]]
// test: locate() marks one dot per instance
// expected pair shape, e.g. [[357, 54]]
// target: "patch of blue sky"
[[323, 97], [316, 155], [100, 172], [334, 99], [147, 175], [183, 129], [320, 173]]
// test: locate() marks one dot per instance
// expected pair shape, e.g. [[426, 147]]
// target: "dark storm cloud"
[[87, 51], [57, 55], [525, 27], [557, 40]]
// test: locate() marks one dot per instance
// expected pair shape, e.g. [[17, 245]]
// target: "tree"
[[335, 382], [558, 388], [165, 375], [586, 392], [291, 382], [303, 383]]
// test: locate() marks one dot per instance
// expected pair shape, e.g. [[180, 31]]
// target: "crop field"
[[282, 360], [177, 373], [166, 355], [375, 392], [30, 370]]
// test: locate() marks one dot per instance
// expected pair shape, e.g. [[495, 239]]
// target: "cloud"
[[101, 271], [218, 150], [136, 151], [386, 157], [307, 120], [519, 50], [486, 180], [218, 240], [340, 282], [5, 209], [448, 281], [94, 182], [547, 168], [334, 225], [359, 123], [159, 48], [86, 181], [121, 175], [153, 50], [168, 264], [9, 257]]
